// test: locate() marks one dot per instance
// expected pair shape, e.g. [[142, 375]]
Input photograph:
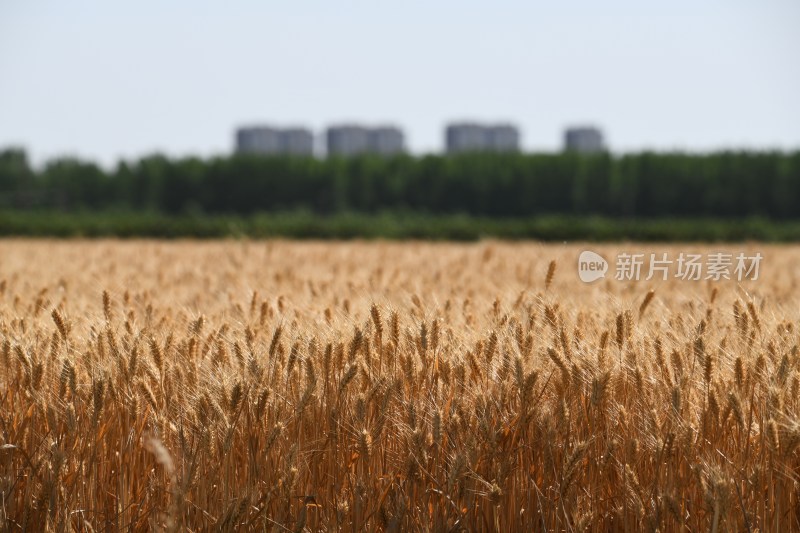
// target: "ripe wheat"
[[389, 387]]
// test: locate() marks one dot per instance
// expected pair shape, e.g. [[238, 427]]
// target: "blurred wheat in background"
[[390, 387]]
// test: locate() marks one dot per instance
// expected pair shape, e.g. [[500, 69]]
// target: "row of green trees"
[[725, 184]]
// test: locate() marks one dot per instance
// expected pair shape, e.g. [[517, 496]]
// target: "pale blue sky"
[[101, 80]]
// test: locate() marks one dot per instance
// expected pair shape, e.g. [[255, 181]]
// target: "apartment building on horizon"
[[354, 139], [267, 140], [584, 139], [476, 137]]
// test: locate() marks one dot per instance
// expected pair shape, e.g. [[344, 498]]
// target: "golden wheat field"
[[283, 386]]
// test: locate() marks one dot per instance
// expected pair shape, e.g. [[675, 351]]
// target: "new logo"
[[591, 266]]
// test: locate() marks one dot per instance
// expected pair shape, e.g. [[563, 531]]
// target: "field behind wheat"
[[283, 386]]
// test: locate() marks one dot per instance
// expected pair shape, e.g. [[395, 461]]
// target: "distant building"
[[297, 141], [261, 140], [347, 140], [266, 140], [352, 139], [584, 140], [504, 138], [473, 137], [386, 140], [465, 137]]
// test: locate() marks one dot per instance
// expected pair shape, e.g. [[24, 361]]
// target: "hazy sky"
[[103, 81]]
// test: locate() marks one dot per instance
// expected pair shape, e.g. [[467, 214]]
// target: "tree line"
[[723, 184]]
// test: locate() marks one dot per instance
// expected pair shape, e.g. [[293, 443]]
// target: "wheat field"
[[285, 386]]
